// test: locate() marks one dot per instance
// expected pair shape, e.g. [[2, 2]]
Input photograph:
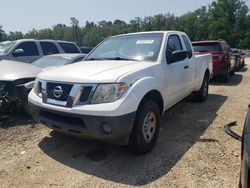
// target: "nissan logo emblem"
[[57, 91]]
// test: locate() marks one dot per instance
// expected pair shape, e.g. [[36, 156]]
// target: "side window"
[[49, 48], [173, 44], [28, 49], [69, 47], [188, 46]]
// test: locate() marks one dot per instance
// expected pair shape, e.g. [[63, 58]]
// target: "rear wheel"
[[202, 94], [243, 63], [146, 128], [226, 76]]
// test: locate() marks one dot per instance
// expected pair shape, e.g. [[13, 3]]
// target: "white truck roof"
[[164, 32]]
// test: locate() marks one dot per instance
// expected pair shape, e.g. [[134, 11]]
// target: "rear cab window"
[[207, 47], [69, 47], [49, 48], [188, 46]]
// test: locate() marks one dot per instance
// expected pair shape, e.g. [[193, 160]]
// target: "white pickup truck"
[[120, 92]]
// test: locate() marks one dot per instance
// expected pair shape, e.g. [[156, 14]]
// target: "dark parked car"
[[245, 154], [237, 55], [86, 50], [240, 59], [223, 58], [243, 55]]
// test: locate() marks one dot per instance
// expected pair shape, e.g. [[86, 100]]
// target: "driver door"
[[175, 72]]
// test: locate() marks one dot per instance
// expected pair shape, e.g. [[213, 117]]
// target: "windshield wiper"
[[110, 58], [120, 58], [95, 59]]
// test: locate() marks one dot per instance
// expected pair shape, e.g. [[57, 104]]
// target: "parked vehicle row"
[[28, 50], [121, 89]]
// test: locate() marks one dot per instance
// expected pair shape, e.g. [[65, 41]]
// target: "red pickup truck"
[[223, 58]]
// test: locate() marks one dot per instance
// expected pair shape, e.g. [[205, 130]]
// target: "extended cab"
[[122, 89]]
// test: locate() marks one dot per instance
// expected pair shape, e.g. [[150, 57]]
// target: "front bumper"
[[86, 126]]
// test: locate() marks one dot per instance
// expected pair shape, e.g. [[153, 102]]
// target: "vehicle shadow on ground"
[[234, 80], [181, 127]]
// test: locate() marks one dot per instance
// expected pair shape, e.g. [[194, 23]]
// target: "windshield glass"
[[6, 46], [51, 61], [129, 47]]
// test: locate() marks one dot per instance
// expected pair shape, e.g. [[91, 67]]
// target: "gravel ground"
[[192, 150]]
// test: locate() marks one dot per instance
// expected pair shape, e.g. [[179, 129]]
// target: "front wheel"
[[202, 94], [146, 128]]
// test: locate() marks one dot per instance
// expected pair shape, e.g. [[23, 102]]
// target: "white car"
[[125, 85], [17, 78]]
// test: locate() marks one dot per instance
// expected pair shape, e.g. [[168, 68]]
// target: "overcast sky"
[[23, 15]]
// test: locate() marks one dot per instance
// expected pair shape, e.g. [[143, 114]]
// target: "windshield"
[[51, 61], [6, 46], [129, 47]]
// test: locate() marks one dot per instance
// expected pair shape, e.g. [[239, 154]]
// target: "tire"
[[146, 128], [232, 72], [226, 77], [202, 94], [243, 64]]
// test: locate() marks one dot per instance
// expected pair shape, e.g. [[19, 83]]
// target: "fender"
[[144, 85], [200, 79]]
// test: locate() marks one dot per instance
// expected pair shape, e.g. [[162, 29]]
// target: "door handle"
[[186, 67]]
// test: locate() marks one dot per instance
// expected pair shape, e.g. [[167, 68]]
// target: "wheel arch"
[[155, 96]]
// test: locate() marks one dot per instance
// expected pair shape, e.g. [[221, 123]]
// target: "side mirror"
[[17, 52], [178, 55]]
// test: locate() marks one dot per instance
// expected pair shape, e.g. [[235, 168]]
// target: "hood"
[[93, 71], [13, 70]]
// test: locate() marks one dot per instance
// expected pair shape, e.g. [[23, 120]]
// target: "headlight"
[[106, 93], [37, 87]]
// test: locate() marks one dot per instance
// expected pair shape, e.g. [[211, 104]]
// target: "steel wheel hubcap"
[[149, 125]]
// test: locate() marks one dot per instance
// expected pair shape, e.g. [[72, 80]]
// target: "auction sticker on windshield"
[[145, 41]]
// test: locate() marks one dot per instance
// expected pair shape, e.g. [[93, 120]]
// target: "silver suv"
[[29, 50]]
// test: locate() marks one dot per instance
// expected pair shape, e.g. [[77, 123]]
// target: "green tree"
[[58, 31], [75, 29], [15, 35], [2, 34], [228, 18]]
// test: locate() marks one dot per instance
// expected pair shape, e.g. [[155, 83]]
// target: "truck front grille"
[[66, 94], [85, 94], [66, 88]]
